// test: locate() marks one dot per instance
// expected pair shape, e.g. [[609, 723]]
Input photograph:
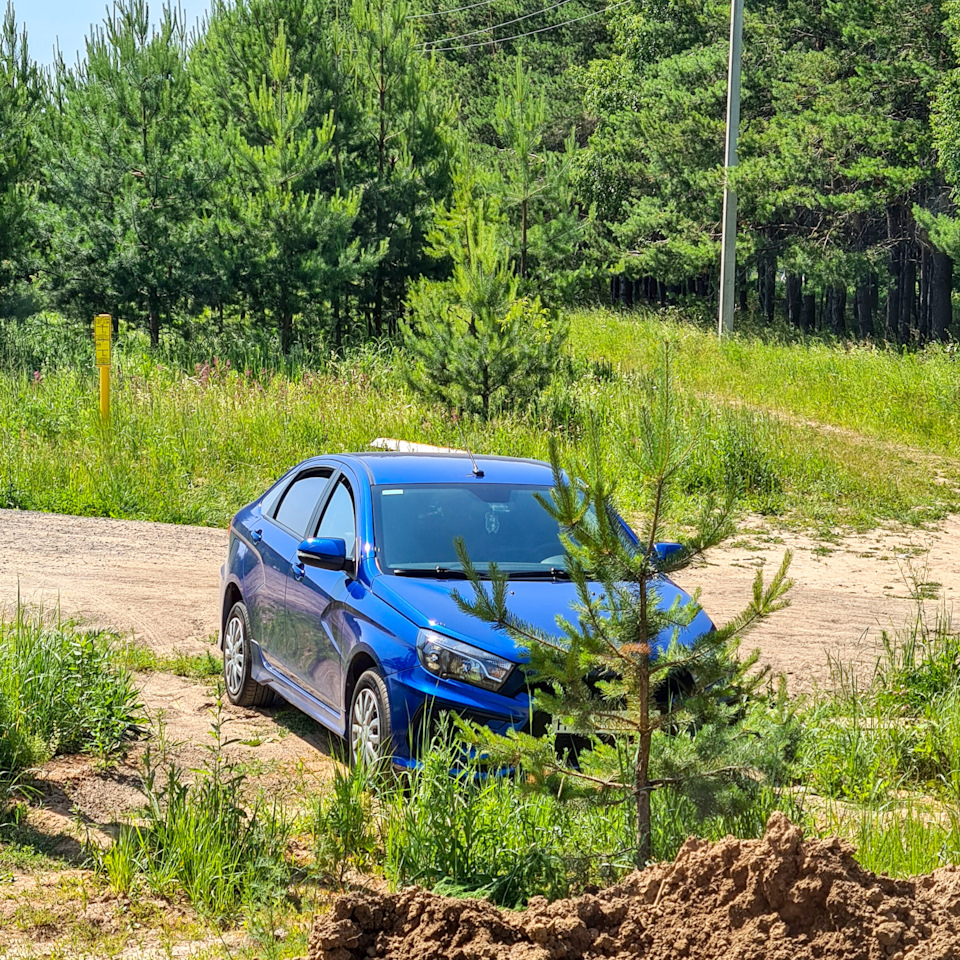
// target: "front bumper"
[[418, 699]]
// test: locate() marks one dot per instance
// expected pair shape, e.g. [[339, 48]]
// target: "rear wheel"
[[242, 689], [369, 733]]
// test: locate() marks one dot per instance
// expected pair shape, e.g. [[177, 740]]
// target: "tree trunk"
[[154, 310], [742, 285], [863, 306], [941, 288], [767, 285], [907, 295], [837, 308], [794, 293], [923, 293], [641, 788], [641, 772], [895, 284], [808, 322], [523, 237]]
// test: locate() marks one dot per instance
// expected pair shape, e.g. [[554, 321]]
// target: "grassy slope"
[[191, 446], [912, 398]]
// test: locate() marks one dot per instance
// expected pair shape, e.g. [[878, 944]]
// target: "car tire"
[[242, 689], [369, 732]]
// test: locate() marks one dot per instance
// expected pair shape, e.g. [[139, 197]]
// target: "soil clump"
[[777, 898]]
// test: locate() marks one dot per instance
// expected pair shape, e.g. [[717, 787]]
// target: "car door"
[[319, 604], [284, 527]]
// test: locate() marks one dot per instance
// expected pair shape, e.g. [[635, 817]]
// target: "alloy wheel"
[[365, 727], [233, 656]]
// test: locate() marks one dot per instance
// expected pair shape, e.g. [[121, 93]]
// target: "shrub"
[[475, 345]]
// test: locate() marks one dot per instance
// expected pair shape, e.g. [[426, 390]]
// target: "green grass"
[[899, 734], [885, 393], [195, 666], [192, 441], [197, 834], [497, 837], [901, 841], [61, 691]]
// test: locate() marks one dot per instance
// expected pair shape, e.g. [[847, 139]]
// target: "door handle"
[[256, 536], [298, 572]]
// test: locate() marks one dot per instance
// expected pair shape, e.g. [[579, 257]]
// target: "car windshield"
[[415, 526]]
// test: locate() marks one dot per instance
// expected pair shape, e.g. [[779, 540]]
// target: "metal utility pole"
[[728, 244]]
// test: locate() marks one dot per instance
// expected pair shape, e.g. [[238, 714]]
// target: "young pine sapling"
[[616, 672]]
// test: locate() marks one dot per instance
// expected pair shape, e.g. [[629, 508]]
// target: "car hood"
[[430, 603]]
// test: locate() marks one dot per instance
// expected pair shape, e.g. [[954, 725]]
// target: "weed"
[[193, 436], [199, 837], [343, 826], [869, 742], [61, 691]]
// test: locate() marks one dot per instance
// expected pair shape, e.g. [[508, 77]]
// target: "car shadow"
[[312, 733]]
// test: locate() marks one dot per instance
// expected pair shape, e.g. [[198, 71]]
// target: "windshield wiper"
[[432, 573], [554, 573]]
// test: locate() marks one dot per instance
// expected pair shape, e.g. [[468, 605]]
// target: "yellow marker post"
[[102, 331]]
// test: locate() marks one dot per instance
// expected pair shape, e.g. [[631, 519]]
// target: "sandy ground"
[[160, 582], [845, 594]]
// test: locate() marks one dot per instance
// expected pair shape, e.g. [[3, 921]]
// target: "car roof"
[[389, 467]]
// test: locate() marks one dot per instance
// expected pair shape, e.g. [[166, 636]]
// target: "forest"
[[313, 170]]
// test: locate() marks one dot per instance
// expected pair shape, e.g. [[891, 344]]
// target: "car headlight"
[[450, 659]]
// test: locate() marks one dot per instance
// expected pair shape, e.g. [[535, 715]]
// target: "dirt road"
[[156, 580], [161, 582]]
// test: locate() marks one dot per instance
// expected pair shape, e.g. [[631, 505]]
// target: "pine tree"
[[404, 150], [534, 186], [123, 177], [21, 101], [474, 344], [298, 239], [609, 673]]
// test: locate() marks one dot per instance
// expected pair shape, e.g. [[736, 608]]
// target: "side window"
[[301, 499], [338, 518]]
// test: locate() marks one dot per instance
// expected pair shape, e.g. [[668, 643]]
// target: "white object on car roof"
[[409, 446]]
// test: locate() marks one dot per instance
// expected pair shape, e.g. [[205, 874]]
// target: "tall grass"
[[870, 742], [191, 442], [61, 691], [197, 833], [900, 840], [470, 833], [884, 392]]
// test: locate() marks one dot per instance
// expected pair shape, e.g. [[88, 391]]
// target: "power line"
[[529, 33], [437, 13], [506, 23]]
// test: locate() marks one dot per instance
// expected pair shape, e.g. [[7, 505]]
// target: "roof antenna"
[[477, 472]]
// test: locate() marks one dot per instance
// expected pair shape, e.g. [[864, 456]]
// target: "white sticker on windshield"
[[390, 493]]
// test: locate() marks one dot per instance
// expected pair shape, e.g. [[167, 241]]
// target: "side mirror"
[[664, 550], [328, 553]]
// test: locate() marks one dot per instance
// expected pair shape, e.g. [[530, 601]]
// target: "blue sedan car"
[[336, 593]]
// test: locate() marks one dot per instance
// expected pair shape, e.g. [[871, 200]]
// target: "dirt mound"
[[778, 898]]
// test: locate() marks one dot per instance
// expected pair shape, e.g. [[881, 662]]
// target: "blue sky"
[[69, 21]]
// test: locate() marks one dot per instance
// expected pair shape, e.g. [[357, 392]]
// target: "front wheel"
[[242, 689], [368, 728]]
